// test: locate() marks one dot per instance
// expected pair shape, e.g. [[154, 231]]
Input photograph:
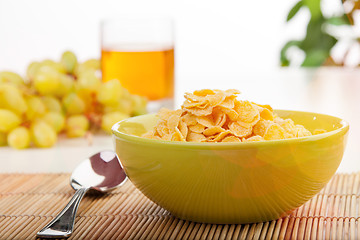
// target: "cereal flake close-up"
[[218, 116]]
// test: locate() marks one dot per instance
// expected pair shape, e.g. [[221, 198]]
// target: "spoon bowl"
[[101, 172]]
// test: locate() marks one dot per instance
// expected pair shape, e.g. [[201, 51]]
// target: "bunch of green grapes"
[[64, 97]]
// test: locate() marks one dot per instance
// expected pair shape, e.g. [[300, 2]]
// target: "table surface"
[[30, 201], [333, 91]]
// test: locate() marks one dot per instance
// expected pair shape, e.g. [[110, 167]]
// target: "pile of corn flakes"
[[218, 116]]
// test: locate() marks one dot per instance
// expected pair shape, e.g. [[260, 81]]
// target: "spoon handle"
[[62, 225]]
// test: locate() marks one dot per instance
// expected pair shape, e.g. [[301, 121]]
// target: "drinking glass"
[[139, 52]]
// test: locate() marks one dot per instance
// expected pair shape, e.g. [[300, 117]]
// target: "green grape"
[[92, 64], [69, 61], [73, 104], [47, 80], [32, 70], [12, 98], [36, 108], [66, 85], [124, 105], [43, 134], [89, 65], [55, 119], [52, 104], [88, 81], [139, 105], [76, 126], [109, 92], [126, 94], [19, 138], [11, 77], [3, 139], [8, 120], [54, 65], [109, 119], [79, 69]]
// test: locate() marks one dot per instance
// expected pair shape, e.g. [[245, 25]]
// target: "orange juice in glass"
[[140, 54]]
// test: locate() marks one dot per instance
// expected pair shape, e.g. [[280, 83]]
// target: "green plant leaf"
[[294, 10], [283, 58], [314, 7], [315, 58], [317, 43], [343, 20], [316, 38]]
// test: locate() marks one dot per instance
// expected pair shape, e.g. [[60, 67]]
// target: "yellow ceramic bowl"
[[231, 182]]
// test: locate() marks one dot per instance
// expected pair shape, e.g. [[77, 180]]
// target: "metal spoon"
[[101, 172]]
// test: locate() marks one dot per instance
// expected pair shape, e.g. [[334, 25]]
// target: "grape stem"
[[89, 137]]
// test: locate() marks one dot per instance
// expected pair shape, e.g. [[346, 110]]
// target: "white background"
[[212, 37]]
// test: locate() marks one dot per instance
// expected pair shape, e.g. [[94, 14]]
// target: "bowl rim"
[[132, 138]]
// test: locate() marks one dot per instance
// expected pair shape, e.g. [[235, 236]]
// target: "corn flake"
[[188, 104], [274, 132], [232, 92], [204, 92], [195, 137], [301, 131], [164, 113], [210, 131], [198, 128], [218, 137], [151, 134], [200, 111], [239, 130], [255, 138], [183, 128], [217, 116], [216, 99], [173, 122], [265, 113], [206, 121], [231, 139], [178, 136], [167, 137], [247, 112], [318, 131], [161, 129], [231, 114], [228, 103], [287, 124], [189, 119], [261, 127]]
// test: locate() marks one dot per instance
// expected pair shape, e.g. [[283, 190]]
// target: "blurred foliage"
[[317, 43]]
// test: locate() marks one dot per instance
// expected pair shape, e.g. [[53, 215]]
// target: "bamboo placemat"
[[29, 201]]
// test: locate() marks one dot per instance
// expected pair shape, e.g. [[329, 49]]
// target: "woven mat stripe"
[[26, 205], [320, 206]]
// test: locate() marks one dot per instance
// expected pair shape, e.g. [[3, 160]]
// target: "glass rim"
[[138, 23], [137, 18]]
